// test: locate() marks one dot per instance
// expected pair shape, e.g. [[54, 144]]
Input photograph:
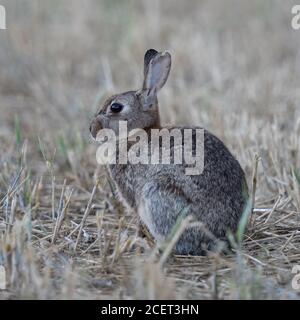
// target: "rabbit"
[[162, 194]]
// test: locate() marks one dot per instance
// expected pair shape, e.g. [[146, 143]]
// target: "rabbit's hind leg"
[[160, 209]]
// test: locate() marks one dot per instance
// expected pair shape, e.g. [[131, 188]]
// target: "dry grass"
[[63, 233]]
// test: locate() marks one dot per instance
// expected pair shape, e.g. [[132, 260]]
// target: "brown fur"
[[160, 194]]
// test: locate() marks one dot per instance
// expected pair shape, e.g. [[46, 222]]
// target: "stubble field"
[[63, 232]]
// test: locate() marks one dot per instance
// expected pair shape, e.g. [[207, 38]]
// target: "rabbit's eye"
[[116, 107]]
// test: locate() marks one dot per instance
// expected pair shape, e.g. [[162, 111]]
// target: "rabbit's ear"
[[157, 70], [150, 54]]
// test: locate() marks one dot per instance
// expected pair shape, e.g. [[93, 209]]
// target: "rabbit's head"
[[138, 108]]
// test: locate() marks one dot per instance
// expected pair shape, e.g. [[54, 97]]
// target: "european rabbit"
[[161, 193]]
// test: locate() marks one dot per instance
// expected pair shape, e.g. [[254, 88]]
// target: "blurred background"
[[236, 71], [235, 64]]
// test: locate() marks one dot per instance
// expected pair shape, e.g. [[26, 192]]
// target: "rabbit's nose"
[[94, 128]]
